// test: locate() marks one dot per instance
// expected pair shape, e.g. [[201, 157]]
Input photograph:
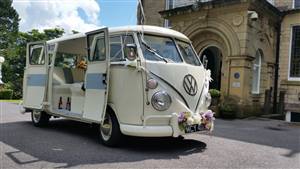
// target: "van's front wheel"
[[110, 133], [39, 118]]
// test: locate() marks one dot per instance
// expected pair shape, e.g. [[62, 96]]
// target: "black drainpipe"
[[278, 29]]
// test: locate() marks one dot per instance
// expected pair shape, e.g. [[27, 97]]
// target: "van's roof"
[[137, 28]]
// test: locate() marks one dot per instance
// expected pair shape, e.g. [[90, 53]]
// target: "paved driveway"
[[251, 143]]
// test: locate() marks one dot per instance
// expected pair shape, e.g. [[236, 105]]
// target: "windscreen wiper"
[[153, 51]]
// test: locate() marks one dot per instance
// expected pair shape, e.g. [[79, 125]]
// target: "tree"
[[9, 26], [13, 67], [13, 45], [75, 32]]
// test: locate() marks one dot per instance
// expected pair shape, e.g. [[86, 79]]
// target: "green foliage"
[[9, 26], [13, 46], [15, 57], [229, 107], [74, 32], [215, 93], [226, 107], [6, 94]]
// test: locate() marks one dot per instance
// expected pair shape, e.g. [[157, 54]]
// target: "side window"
[[50, 51], [37, 55], [100, 51], [50, 58], [127, 39], [116, 48], [188, 54], [295, 54], [296, 4], [65, 60], [256, 72]]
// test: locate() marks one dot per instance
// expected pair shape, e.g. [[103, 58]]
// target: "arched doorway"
[[213, 57]]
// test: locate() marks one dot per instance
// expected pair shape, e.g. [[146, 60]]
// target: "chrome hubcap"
[[106, 128], [36, 116]]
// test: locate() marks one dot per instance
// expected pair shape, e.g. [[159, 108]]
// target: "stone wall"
[[239, 38], [292, 88], [151, 9], [262, 35]]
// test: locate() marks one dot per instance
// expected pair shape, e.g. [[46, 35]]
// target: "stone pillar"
[[240, 80]]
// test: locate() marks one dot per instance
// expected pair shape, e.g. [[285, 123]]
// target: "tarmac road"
[[250, 143]]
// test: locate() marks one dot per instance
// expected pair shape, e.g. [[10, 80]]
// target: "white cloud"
[[42, 14]]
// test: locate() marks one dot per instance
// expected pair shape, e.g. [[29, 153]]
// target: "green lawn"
[[11, 101]]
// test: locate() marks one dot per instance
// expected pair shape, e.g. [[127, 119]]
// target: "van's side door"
[[35, 76], [97, 75]]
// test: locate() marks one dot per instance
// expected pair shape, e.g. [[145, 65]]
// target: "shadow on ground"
[[76, 143]]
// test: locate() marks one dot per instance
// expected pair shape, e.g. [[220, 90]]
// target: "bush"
[[6, 94], [214, 93], [229, 107], [17, 89]]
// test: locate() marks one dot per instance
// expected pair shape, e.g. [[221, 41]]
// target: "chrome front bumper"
[[171, 130]]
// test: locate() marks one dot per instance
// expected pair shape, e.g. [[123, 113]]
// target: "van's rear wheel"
[[110, 133], [39, 118]]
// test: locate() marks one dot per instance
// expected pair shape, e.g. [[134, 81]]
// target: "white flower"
[[197, 119], [190, 121]]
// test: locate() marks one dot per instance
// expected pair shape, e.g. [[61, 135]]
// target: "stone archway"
[[214, 31], [213, 36], [217, 51], [214, 57]]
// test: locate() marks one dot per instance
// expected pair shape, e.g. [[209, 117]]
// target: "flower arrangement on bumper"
[[203, 120]]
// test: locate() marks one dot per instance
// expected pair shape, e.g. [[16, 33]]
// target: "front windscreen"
[[188, 53], [156, 47]]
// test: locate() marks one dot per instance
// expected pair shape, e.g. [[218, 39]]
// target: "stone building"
[[240, 39], [289, 60]]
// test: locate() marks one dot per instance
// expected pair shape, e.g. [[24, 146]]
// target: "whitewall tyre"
[[110, 134], [39, 118]]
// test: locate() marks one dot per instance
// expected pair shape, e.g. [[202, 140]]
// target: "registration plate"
[[194, 128]]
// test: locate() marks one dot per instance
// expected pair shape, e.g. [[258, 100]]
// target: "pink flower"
[[181, 117], [209, 115]]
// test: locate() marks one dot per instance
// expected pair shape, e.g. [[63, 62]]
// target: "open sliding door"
[[97, 75], [35, 76]]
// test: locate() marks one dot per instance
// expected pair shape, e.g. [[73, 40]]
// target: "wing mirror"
[[130, 52]]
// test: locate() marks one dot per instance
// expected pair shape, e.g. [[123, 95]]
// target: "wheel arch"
[[111, 108]]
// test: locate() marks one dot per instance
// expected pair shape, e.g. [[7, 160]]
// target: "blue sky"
[[79, 15], [118, 12]]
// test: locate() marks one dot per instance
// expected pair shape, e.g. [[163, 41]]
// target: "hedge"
[[6, 94]]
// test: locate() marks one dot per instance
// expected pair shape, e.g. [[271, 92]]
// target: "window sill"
[[290, 82], [256, 95]]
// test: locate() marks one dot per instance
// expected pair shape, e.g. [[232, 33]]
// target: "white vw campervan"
[[139, 80]]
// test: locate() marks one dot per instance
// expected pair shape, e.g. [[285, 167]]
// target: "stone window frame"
[[294, 4], [167, 5], [258, 55], [290, 54]]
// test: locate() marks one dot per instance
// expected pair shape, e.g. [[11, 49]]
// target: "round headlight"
[[208, 100], [161, 101]]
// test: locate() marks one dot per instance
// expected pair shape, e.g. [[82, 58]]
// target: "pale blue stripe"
[[36, 80], [95, 81]]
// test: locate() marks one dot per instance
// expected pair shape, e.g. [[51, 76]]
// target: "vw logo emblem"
[[190, 85]]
